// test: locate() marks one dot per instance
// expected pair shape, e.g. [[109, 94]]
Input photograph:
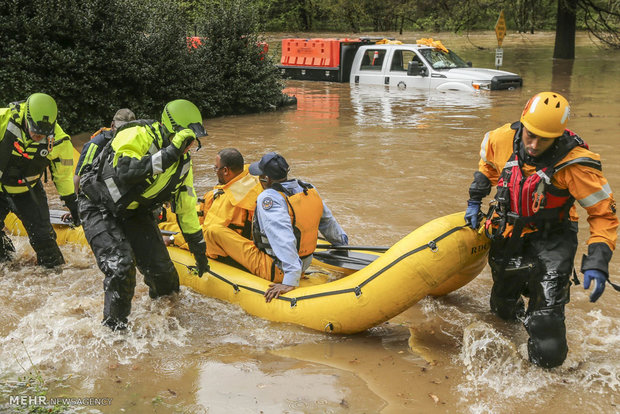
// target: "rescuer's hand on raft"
[[275, 289], [202, 264], [71, 203], [471, 215]]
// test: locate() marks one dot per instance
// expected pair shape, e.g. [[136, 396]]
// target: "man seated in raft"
[[231, 204], [289, 214]]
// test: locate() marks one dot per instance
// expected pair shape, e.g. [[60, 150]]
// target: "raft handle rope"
[[433, 246], [357, 290], [235, 286]]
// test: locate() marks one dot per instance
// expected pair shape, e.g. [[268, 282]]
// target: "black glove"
[[198, 248], [480, 187], [71, 203]]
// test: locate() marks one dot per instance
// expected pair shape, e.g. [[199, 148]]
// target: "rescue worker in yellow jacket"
[[289, 214], [145, 164], [31, 141], [231, 203], [540, 169]]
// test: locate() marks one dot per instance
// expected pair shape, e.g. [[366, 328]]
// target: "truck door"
[[399, 65], [370, 69]]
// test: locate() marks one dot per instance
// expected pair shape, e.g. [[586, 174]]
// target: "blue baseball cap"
[[273, 165]]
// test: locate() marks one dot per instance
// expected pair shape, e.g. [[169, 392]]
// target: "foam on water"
[[52, 320], [494, 358]]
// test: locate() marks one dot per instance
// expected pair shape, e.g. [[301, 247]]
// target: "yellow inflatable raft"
[[435, 259]]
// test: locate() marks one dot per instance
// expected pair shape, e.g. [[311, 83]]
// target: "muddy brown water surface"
[[386, 161]]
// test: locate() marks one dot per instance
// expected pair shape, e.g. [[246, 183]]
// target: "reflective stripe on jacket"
[[577, 176], [93, 148], [24, 161], [130, 169]]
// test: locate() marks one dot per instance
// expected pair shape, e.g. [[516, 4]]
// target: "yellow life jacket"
[[232, 204]]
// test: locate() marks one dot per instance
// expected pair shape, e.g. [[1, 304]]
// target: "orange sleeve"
[[592, 191], [486, 165], [495, 150]]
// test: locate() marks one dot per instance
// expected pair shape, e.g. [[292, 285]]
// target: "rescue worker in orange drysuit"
[[540, 169]]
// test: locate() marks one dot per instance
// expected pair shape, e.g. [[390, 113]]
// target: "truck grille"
[[506, 82]]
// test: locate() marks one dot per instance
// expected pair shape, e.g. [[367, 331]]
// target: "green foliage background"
[[95, 56], [431, 15]]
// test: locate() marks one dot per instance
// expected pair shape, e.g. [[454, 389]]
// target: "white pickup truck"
[[428, 65]]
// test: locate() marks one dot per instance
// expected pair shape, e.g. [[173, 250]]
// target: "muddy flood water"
[[385, 161]]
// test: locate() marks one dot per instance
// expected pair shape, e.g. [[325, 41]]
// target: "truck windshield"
[[441, 60]]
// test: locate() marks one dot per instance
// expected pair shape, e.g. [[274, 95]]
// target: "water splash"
[[493, 354], [492, 361], [52, 320]]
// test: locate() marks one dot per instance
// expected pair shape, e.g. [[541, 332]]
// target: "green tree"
[[95, 56], [346, 15], [288, 14], [239, 76], [531, 15], [600, 17]]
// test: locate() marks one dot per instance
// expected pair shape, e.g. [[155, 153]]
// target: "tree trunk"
[[561, 76], [305, 15], [565, 30]]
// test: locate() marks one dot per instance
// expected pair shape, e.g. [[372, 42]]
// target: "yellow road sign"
[[500, 28]]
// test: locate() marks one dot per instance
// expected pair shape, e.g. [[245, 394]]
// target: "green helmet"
[[182, 114], [41, 113]]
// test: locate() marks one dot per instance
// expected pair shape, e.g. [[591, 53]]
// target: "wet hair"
[[231, 158]]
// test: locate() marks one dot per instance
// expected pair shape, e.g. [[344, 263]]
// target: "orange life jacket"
[[306, 210]]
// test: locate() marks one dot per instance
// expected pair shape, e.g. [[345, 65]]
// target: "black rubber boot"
[[508, 309], [50, 256], [547, 345], [115, 324]]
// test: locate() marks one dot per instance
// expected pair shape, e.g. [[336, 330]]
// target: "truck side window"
[[401, 59], [372, 59]]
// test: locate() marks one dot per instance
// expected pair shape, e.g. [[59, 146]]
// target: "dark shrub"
[[95, 56], [240, 76]]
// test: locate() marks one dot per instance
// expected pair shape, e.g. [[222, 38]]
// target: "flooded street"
[[385, 161]]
